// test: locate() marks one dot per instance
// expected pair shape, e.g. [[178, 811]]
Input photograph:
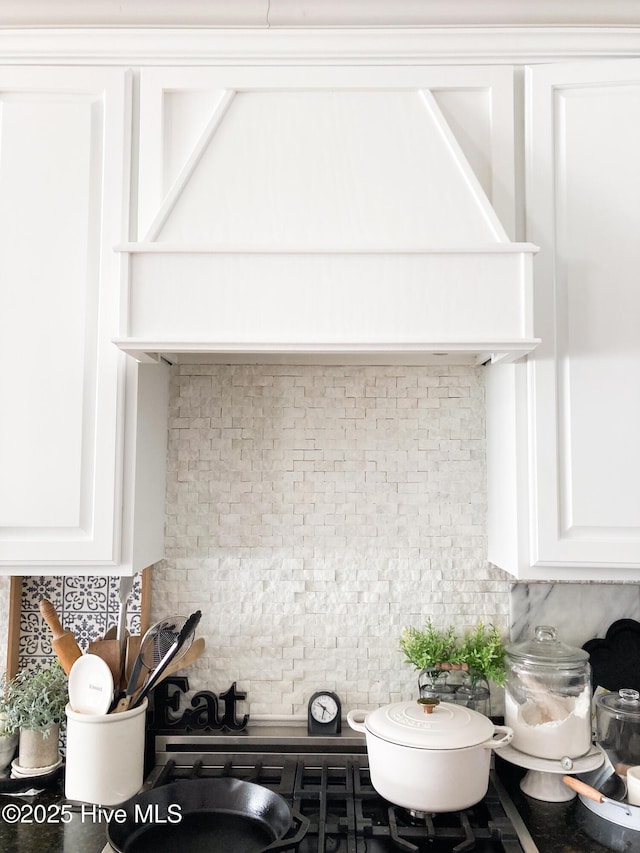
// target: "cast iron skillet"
[[213, 815]]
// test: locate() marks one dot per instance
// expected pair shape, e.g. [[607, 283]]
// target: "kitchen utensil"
[[604, 777], [63, 643], [182, 661], [184, 637], [132, 652], [146, 655], [90, 685], [219, 815], [124, 591], [154, 645], [429, 763], [594, 794], [109, 651]]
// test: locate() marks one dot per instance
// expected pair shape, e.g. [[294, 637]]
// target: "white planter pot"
[[8, 745], [36, 749], [429, 763]]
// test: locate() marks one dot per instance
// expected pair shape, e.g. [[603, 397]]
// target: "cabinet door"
[[64, 155], [583, 186]]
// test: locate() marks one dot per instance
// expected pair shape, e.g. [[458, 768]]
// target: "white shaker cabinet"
[[563, 429], [71, 404]]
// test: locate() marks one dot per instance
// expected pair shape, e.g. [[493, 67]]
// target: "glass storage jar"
[[548, 697], [618, 725]]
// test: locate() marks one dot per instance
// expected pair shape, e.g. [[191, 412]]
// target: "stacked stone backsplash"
[[313, 512]]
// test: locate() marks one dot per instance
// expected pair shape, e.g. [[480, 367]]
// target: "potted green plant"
[[482, 652], [34, 704], [478, 656], [432, 651], [8, 740]]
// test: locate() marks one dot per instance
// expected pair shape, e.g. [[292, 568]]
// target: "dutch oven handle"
[[356, 720], [496, 743], [289, 843]]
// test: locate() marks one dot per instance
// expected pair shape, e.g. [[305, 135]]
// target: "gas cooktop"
[[327, 786]]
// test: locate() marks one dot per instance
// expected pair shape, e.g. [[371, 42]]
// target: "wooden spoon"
[[109, 651]]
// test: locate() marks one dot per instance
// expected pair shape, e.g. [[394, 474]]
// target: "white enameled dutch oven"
[[429, 762]]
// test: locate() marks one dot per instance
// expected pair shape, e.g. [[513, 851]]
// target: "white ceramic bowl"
[[633, 785]]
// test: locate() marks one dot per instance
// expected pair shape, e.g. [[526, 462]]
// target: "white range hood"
[[325, 224]]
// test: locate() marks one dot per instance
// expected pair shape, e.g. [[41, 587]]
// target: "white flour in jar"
[[567, 733]]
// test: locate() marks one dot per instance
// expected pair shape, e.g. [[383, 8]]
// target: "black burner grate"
[[345, 813]]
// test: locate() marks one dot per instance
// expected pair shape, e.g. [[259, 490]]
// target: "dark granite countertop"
[[564, 827], [43, 828]]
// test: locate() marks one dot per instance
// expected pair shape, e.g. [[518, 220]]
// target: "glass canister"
[[618, 725], [548, 697]]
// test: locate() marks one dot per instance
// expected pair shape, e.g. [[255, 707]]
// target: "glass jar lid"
[[546, 650], [625, 704]]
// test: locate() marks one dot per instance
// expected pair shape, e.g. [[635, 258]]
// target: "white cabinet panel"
[[64, 174], [312, 123], [583, 409]]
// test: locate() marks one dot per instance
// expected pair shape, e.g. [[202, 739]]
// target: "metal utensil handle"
[[123, 701], [124, 591], [590, 793], [186, 631]]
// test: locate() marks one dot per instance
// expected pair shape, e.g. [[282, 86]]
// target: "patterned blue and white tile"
[[86, 605]]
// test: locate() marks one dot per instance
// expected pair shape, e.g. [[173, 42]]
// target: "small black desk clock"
[[324, 714]]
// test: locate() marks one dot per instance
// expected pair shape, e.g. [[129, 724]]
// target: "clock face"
[[324, 708]]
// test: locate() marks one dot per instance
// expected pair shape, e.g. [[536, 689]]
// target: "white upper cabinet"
[[64, 430], [278, 199], [564, 465]]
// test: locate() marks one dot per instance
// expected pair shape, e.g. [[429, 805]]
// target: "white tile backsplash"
[[313, 512]]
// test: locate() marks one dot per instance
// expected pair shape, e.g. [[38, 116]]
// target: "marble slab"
[[579, 612]]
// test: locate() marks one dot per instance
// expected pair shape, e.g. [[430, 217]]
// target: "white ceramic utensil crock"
[[105, 755], [436, 762]]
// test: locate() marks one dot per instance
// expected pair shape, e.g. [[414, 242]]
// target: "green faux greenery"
[[481, 650], [35, 699], [424, 649]]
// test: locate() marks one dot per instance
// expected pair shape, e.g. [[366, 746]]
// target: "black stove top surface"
[[334, 794]]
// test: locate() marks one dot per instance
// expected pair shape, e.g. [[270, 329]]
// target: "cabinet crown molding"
[[209, 45], [324, 13]]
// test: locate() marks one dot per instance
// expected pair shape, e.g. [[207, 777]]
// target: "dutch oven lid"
[[448, 726]]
